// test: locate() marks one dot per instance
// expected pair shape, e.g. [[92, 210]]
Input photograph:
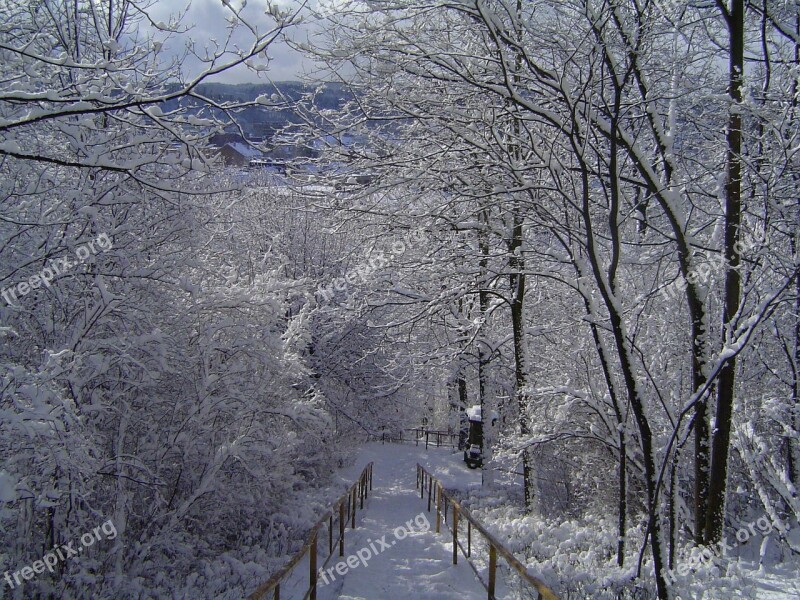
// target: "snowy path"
[[408, 560]]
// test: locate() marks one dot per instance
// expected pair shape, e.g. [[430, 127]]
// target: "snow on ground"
[[782, 584], [419, 565], [404, 558]]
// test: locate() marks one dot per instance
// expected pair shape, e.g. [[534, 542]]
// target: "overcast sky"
[[208, 21]]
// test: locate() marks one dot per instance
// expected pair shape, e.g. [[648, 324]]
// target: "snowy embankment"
[[577, 556]]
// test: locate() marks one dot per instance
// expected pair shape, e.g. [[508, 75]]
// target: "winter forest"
[[581, 215]]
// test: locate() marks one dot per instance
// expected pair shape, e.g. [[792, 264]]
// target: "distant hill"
[[328, 95], [263, 122]]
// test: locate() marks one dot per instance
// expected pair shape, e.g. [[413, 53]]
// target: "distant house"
[[239, 154], [220, 139], [270, 164]]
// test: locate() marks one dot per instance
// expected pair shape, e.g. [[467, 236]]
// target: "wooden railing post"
[[438, 507], [276, 595], [430, 489], [469, 539], [353, 514], [330, 535], [492, 569], [455, 535], [312, 567], [341, 528], [427, 433]]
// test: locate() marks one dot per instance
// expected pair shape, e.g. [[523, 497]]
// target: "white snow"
[[8, 493], [245, 150], [420, 565]]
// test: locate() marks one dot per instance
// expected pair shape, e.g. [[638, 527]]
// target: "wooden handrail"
[[345, 510], [431, 437], [496, 547]]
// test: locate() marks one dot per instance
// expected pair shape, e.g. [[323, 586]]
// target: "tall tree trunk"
[[487, 476], [463, 398], [517, 284], [673, 517], [702, 434], [792, 443], [720, 444], [622, 497], [457, 387], [701, 445]]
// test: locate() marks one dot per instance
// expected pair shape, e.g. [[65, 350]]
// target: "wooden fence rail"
[[458, 514], [342, 512], [431, 437]]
